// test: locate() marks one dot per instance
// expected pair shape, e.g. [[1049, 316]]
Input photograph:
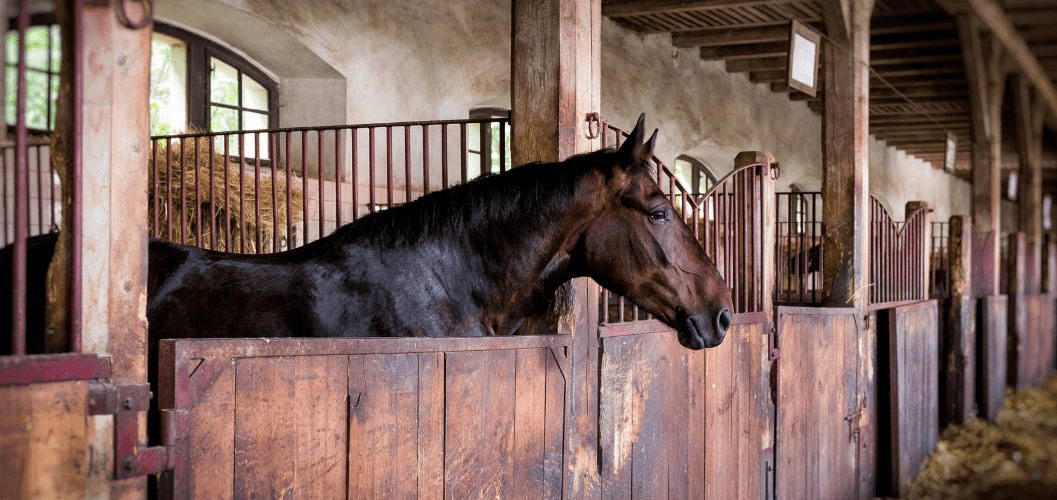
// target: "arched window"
[[701, 178], [196, 83]]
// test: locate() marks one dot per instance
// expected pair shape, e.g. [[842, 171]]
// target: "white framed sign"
[[804, 47]]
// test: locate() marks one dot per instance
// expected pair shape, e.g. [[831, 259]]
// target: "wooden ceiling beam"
[[756, 64], [745, 51], [894, 25], [991, 15], [769, 76], [949, 39], [731, 36], [623, 8]]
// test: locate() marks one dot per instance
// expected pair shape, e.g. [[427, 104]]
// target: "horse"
[[474, 260]]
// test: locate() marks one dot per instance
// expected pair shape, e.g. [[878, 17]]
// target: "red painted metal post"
[[425, 160], [76, 296], [212, 193], [338, 170], [273, 153], [156, 199], [257, 226], [290, 243], [242, 193], [407, 164], [18, 303], [355, 176], [370, 169], [322, 179], [389, 167], [198, 194]]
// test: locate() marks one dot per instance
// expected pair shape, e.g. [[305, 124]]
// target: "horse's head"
[[640, 248]]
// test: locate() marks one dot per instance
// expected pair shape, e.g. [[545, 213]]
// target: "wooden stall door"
[[1031, 339], [819, 403], [368, 418], [991, 355], [676, 423], [913, 349]]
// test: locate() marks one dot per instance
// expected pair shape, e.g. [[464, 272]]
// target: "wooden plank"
[[720, 466], [479, 424], [915, 398], [431, 425], [731, 35], [678, 431], [529, 421], [696, 423], [383, 426], [320, 417], [265, 437], [649, 468], [992, 357], [618, 418], [43, 440], [554, 431], [211, 432], [638, 7]]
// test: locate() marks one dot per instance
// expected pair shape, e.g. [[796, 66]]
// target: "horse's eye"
[[659, 215]]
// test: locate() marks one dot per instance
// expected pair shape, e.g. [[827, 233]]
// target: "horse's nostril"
[[723, 321]]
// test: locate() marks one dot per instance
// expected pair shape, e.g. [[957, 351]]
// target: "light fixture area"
[[804, 46]]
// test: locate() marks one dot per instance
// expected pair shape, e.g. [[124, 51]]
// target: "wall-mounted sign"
[[804, 46], [948, 153], [1047, 207], [1011, 186]]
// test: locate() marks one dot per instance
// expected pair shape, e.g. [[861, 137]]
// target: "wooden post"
[[960, 348], [982, 56], [555, 83], [1018, 310], [1030, 118], [1049, 264], [116, 136], [845, 152]]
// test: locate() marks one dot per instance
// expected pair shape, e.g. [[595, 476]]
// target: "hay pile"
[[1016, 457], [183, 171]]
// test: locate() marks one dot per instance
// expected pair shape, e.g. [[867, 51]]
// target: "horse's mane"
[[526, 195]]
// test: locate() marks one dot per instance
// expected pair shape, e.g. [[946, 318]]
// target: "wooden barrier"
[[909, 351], [1032, 322], [959, 347]]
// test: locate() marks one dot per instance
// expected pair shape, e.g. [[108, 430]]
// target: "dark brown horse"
[[473, 260]]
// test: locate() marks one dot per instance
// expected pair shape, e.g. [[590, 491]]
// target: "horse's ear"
[[633, 151]]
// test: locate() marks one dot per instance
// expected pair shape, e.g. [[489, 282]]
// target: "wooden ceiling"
[[915, 54]]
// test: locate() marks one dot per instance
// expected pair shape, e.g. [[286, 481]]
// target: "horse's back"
[[39, 252]]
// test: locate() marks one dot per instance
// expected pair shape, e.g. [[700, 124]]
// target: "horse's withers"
[[639, 247]]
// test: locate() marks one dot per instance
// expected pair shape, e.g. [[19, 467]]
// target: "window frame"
[[199, 52], [35, 21]]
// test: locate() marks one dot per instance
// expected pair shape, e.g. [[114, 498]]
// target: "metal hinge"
[[773, 351], [854, 430], [125, 402]]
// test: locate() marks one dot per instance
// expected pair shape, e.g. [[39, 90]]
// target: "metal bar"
[[183, 193], [76, 210], [198, 197], [168, 189], [502, 145], [463, 151], [425, 160], [3, 158], [40, 184], [338, 170], [227, 194], [444, 155], [322, 178], [370, 168], [304, 175], [259, 246], [389, 167], [273, 153], [18, 270], [290, 242], [242, 193], [332, 127], [355, 176], [156, 200], [212, 195], [407, 164]]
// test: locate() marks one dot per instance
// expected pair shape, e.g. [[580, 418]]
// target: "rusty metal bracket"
[[125, 402], [121, 10], [594, 125], [773, 351]]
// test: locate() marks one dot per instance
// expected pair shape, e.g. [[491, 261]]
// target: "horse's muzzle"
[[702, 333]]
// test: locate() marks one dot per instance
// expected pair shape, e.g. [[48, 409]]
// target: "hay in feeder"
[[259, 232], [1015, 457]]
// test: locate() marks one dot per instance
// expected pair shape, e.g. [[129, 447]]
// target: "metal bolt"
[[129, 462], [129, 404]]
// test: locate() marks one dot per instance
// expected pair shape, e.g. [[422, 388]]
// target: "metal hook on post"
[[122, 14], [594, 125]]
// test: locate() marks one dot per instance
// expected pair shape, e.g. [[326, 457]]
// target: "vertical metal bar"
[[304, 174], [212, 194], [322, 178], [355, 175], [242, 193], [155, 200], [168, 189], [407, 164], [257, 226], [183, 192], [370, 168], [502, 145], [40, 186], [76, 294], [227, 195], [338, 170], [463, 150], [425, 160], [444, 155], [389, 167], [198, 195], [18, 270], [3, 158], [485, 151], [273, 153], [290, 243]]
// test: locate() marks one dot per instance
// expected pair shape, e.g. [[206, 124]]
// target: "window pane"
[[254, 95], [56, 49], [255, 121], [223, 119], [37, 39], [168, 85], [12, 81], [37, 101], [54, 98], [12, 47], [223, 83]]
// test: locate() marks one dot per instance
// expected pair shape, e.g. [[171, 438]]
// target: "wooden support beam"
[[555, 83], [745, 51], [845, 152], [731, 36], [898, 25], [638, 7], [769, 76], [1029, 122]]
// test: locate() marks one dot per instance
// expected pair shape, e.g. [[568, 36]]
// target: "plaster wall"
[[896, 178]]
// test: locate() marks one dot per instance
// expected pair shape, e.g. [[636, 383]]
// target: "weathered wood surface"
[[452, 424], [959, 362], [914, 383], [676, 423], [43, 440], [819, 407], [1032, 335], [992, 358]]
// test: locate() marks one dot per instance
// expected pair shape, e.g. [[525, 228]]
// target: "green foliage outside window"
[[43, 59]]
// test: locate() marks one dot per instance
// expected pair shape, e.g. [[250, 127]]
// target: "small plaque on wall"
[[949, 152], [804, 46], [1011, 186], [1047, 206]]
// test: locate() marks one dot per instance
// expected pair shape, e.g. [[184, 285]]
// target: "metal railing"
[[939, 261], [799, 250], [897, 257]]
